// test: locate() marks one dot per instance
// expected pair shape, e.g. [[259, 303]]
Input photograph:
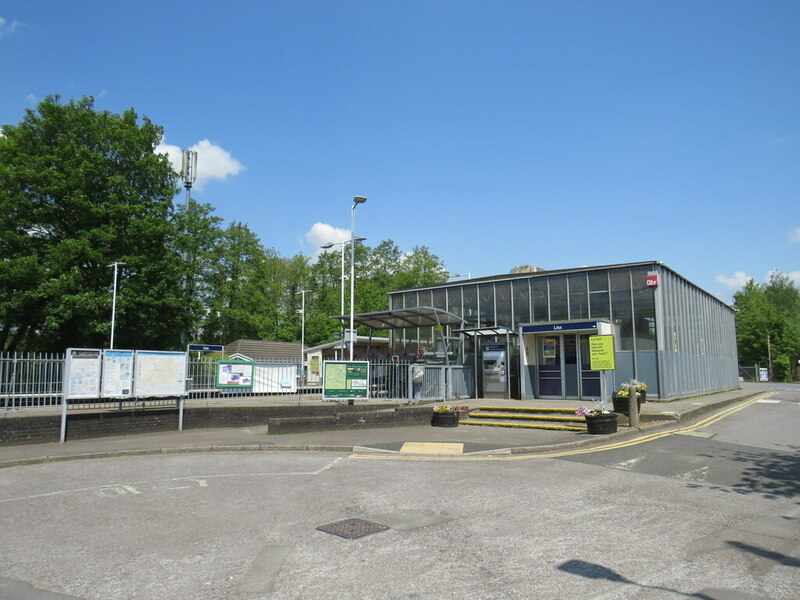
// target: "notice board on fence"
[[82, 373], [234, 374], [117, 374], [160, 373], [345, 380]]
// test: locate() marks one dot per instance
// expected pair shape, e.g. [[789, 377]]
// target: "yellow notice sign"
[[601, 353]]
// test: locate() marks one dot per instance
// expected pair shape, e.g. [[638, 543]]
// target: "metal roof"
[[421, 316]]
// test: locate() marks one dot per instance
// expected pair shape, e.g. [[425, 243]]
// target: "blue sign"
[[561, 327], [204, 348]]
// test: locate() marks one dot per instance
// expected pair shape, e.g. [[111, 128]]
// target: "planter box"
[[445, 419], [601, 424]]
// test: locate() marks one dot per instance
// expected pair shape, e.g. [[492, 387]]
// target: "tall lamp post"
[[114, 301], [341, 245], [303, 334], [356, 201]]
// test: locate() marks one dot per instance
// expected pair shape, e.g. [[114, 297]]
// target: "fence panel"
[[30, 379]]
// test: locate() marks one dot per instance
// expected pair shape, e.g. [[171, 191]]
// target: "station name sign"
[[560, 327], [204, 348]]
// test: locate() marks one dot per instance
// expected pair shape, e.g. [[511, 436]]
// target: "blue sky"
[[558, 134]]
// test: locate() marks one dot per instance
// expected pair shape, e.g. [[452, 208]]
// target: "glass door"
[[570, 352], [590, 380], [548, 351]]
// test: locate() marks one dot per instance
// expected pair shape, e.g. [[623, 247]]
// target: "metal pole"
[[114, 301], [356, 201]]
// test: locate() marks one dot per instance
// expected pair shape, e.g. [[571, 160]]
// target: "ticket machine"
[[494, 359]]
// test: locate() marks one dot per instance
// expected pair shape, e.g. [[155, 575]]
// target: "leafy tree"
[[80, 189], [769, 311]]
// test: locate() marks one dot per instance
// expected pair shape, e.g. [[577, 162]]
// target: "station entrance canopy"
[[421, 316]]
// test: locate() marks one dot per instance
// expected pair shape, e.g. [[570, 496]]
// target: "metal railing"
[[31, 379]]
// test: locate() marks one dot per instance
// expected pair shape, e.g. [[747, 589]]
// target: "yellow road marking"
[[431, 448], [623, 444]]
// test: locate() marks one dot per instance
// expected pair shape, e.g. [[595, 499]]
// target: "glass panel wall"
[[522, 302], [599, 306], [539, 299], [578, 296], [644, 310], [424, 298], [470, 305], [621, 306], [502, 291], [558, 298], [454, 300], [410, 300], [486, 304], [439, 298]]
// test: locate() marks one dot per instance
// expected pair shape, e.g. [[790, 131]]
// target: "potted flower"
[[620, 397], [445, 415], [598, 421]]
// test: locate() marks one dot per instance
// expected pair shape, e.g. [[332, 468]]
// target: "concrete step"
[[522, 417]]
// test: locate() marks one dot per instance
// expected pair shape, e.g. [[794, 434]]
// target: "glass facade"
[[691, 321]]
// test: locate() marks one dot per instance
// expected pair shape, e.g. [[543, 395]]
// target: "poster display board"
[[117, 374], [234, 374], [275, 378], [601, 353], [345, 380], [82, 373], [160, 373]]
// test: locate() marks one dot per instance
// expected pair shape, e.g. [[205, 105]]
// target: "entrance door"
[[548, 354], [570, 352], [590, 380]]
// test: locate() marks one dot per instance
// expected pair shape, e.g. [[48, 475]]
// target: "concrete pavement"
[[493, 440]]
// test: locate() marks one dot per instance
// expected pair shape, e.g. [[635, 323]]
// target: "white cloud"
[[739, 280], [794, 236], [7, 28], [794, 276], [32, 99], [322, 233], [213, 161]]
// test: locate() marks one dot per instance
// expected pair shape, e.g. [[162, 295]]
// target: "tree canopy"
[[768, 325], [81, 189]]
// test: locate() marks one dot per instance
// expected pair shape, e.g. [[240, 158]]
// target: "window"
[[621, 306], [522, 302], [578, 296], [486, 304], [599, 305], [644, 310], [539, 299], [558, 298], [502, 290], [470, 305]]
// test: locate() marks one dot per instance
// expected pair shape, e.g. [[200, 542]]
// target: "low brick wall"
[[34, 429]]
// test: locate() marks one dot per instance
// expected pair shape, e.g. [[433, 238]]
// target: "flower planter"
[[621, 404], [445, 419], [601, 424]]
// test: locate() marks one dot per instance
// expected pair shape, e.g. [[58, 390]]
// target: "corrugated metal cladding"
[[675, 336]]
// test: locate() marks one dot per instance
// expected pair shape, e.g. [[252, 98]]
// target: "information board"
[[160, 374], [345, 380], [234, 374], [601, 353], [117, 374], [82, 373]]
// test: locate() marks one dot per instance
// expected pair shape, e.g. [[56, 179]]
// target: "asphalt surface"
[[474, 439]]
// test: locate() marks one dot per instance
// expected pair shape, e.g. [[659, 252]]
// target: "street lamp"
[[356, 201], [302, 312], [341, 244], [114, 300]]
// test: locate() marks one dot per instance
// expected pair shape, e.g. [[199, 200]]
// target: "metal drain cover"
[[352, 528]]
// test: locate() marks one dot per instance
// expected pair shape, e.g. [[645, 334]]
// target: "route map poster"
[[117, 374], [344, 380], [82, 373], [161, 374]]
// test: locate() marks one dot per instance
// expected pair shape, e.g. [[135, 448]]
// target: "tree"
[[768, 324], [80, 189]]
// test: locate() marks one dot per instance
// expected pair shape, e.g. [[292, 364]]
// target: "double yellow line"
[[623, 444]]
